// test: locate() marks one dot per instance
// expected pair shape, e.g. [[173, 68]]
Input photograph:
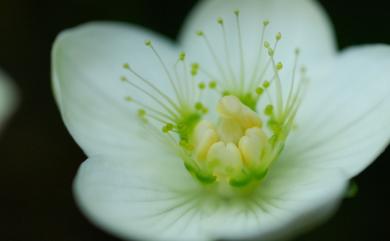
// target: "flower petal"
[[86, 70], [7, 97], [344, 121], [303, 24], [142, 200], [162, 202]]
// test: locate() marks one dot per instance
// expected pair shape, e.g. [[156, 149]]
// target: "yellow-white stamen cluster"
[[236, 151]]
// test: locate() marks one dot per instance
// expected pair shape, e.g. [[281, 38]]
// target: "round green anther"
[[213, 84], [270, 52], [266, 84], [128, 99], [167, 128], [266, 44], [141, 112], [259, 90], [123, 78], [279, 66], [198, 106], [269, 109], [265, 22], [297, 51], [182, 56], [202, 85], [237, 12], [278, 36], [148, 43], [220, 20], [200, 33], [126, 66]]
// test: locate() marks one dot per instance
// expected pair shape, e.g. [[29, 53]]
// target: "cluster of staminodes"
[[238, 149]]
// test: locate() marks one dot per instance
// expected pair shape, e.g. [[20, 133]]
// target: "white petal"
[[290, 200], [146, 202], [344, 121], [86, 69], [141, 200], [7, 97], [303, 24]]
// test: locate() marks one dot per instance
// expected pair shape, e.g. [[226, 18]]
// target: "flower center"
[[235, 149], [255, 113]]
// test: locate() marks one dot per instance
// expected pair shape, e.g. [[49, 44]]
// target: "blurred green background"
[[39, 158]]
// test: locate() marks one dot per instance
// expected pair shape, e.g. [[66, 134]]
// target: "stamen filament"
[[161, 114], [242, 62], [152, 97], [227, 52], [147, 82], [259, 56], [166, 72], [213, 54]]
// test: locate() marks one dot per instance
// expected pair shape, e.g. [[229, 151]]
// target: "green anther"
[[123, 78], [200, 33], [183, 143], [237, 12], [148, 43], [269, 109], [259, 90], [297, 51], [220, 20], [128, 99], [303, 69], [213, 84], [278, 36], [279, 66], [182, 56], [205, 110], [225, 93], [266, 84], [201, 85], [266, 23], [141, 113], [167, 128], [126, 66], [266, 44], [198, 106], [270, 52], [275, 127], [194, 69]]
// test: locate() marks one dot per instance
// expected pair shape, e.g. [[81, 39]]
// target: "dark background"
[[39, 158]]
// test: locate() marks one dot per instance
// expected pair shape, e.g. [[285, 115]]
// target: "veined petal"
[[7, 97], [344, 121], [141, 200], [86, 70], [303, 24], [146, 202]]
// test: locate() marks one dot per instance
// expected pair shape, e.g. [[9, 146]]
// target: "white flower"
[[230, 139], [7, 98]]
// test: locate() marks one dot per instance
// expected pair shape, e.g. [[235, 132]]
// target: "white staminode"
[[237, 149]]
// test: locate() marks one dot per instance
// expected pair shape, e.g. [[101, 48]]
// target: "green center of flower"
[[256, 113]]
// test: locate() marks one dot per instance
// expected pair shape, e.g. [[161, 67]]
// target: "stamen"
[[242, 62], [217, 62], [227, 52], [259, 55], [164, 96], [149, 44]]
